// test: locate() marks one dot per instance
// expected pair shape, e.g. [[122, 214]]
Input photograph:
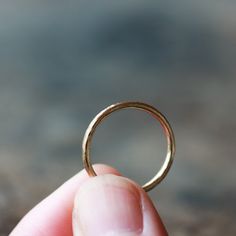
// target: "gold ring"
[[141, 106]]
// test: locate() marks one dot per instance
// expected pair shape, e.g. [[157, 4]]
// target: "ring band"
[[141, 106]]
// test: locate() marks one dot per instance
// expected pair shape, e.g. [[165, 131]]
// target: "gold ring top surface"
[[141, 106]]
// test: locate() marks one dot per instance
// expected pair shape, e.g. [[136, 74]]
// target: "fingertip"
[[114, 205]]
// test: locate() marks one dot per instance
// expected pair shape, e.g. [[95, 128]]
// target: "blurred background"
[[61, 62]]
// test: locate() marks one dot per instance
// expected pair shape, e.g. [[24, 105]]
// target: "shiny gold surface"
[[141, 106]]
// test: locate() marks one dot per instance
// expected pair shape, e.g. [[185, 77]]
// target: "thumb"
[[113, 205]]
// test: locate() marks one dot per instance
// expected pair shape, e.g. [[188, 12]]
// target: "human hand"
[[106, 205]]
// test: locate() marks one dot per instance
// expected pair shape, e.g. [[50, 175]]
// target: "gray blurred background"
[[61, 62]]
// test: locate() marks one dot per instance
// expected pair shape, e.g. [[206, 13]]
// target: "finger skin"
[[53, 216], [114, 205]]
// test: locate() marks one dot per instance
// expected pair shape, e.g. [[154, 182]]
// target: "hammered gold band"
[[141, 106]]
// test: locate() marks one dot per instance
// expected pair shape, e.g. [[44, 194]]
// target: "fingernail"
[[108, 205]]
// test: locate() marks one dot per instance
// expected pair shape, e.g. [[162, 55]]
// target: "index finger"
[[53, 216]]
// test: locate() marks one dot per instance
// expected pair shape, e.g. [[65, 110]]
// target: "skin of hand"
[[106, 205]]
